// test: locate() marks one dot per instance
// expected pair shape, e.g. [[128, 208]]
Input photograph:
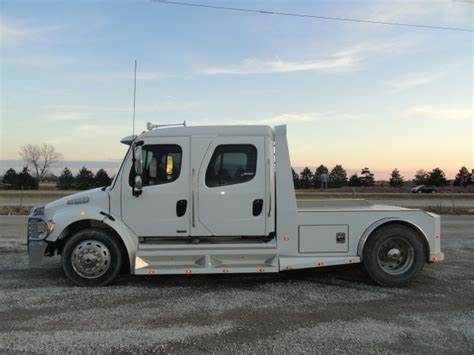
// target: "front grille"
[[37, 228]]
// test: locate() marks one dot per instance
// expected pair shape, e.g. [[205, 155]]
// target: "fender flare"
[[370, 229], [64, 219]]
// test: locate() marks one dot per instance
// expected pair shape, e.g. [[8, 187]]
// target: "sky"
[[350, 93]]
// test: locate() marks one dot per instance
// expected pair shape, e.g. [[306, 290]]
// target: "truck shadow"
[[345, 275]]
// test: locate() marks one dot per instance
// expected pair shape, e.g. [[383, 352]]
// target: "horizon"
[[352, 94]]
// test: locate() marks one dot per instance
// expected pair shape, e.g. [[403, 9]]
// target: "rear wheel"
[[394, 255], [91, 257]]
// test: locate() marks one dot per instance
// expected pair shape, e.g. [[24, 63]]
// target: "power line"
[[266, 12]]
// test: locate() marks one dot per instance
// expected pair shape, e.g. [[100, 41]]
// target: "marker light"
[[435, 259], [289, 267], [189, 271], [320, 263], [82, 213], [286, 238], [225, 270], [151, 272], [261, 269], [51, 227]]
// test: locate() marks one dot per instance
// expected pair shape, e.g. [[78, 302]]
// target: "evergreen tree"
[[102, 178], [463, 177], [437, 177], [10, 179], [354, 180], [66, 180], [396, 180], [296, 178], [306, 177], [421, 177], [320, 170], [84, 179], [26, 181], [366, 177], [338, 177]]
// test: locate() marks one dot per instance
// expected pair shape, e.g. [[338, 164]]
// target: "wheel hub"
[[90, 259], [395, 255]]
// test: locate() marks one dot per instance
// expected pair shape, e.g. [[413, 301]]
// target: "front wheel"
[[394, 255], [91, 257]]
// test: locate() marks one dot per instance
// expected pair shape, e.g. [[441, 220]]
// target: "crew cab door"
[[229, 187], [163, 208]]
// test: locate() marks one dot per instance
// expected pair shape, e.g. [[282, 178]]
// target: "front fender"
[[66, 217]]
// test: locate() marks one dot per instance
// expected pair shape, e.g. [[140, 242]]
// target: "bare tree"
[[41, 158]]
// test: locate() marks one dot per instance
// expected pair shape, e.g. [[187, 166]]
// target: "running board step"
[[158, 261]]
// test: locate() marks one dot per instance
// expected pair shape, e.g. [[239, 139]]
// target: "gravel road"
[[325, 310]]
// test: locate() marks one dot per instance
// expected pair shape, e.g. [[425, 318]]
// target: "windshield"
[[121, 167]]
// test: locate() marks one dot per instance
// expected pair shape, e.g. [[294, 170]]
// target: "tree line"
[[337, 177], [83, 180]]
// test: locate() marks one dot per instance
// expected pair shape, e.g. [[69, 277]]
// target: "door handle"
[[181, 208], [257, 207]]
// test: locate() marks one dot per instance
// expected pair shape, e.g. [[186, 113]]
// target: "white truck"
[[220, 199]]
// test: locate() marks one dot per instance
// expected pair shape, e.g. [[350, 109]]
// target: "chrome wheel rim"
[[90, 259], [395, 256]]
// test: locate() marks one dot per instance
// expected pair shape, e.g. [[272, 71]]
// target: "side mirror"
[[137, 186], [138, 160]]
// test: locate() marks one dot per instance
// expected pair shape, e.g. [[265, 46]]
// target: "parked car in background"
[[426, 189]]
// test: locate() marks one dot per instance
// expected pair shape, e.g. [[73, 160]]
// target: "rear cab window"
[[231, 164]]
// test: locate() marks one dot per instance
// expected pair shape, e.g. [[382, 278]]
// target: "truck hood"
[[95, 197]]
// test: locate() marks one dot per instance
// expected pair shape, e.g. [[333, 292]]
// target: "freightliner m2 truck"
[[220, 199]]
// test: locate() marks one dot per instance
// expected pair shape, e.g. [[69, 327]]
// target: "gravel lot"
[[324, 310]]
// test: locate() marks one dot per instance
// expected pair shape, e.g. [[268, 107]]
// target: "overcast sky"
[[351, 94]]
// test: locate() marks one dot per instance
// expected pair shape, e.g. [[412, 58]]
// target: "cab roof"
[[209, 131]]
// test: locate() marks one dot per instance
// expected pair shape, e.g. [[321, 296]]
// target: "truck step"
[[204, 261]]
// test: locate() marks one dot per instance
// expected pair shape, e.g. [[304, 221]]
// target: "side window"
[[232, 164], [161, 164]]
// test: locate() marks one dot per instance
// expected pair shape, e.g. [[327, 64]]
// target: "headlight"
[[37, 228]]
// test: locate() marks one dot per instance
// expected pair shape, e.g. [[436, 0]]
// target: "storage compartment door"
[[324, 239]]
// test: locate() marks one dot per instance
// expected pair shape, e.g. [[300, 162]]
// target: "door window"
[[231, 164], [161, 164]]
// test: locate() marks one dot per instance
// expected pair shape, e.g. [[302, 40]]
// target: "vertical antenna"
[[134, 96]]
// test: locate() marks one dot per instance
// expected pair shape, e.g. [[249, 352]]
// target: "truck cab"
[[220, 199]]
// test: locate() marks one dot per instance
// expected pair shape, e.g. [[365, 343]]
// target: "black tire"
[[108, 248], [381, 248]]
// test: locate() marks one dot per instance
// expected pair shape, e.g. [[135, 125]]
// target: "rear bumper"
[[436, 258]]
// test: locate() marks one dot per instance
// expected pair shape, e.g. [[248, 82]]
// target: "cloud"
[[253, 66], [424, 78], [429, 112], [89, 128], [87, 112], [339, 61], [408, 82], [11, 32], [304, 117], [55, 117]]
